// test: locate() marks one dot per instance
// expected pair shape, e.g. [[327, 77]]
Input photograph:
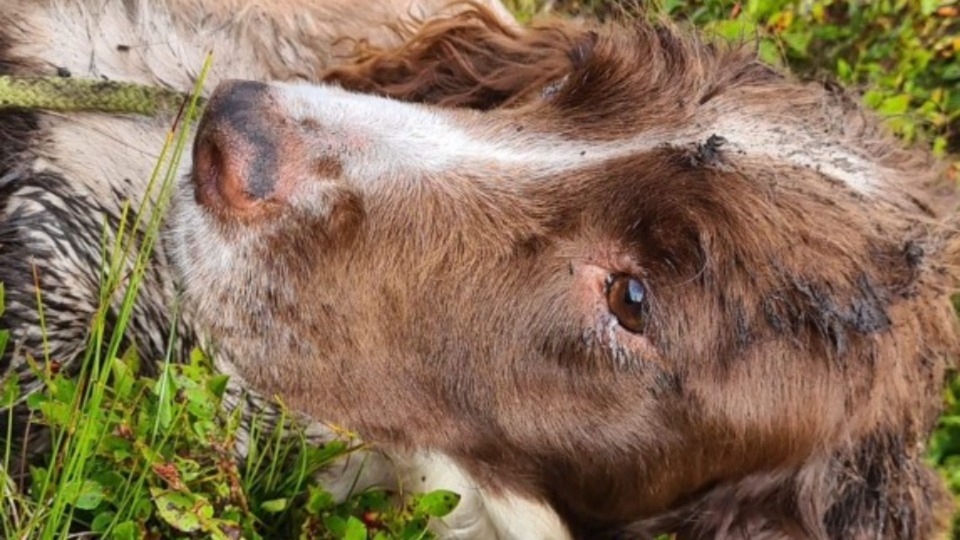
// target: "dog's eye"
[[626, 299]]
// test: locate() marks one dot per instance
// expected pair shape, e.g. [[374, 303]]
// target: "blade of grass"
[[77, 444]]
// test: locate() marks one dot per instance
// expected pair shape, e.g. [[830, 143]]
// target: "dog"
[[606, 280]]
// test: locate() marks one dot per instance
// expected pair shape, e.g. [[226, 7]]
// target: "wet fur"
[[799, 311], [59, 185], [801, 325]]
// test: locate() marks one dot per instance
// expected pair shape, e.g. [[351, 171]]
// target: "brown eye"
[[626, 297]]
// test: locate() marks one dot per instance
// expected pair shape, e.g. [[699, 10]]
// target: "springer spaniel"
[[605, 280]]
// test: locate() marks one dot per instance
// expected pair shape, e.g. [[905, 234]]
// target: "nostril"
[[220, 170], [235, 153]]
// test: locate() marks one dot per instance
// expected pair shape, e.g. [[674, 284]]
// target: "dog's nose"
[[235, 157]]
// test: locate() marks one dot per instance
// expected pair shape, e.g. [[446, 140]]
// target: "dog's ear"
[[883, 488], [883, 485], [472, 59]]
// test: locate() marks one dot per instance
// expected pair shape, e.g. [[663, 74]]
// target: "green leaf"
[[143, 508], [798, 42], [274, 506], [127, 530], [38, 476], [828, 33], [197, 356], [218, 384], [414, 529], [205, 429], [770, 52], [940, 147], [116, 447], [737, 30], [318, 501], [165, 390], [3, 300], [36, 400], [188, 469], [102, 522], [760, 9], [149, 455], [4, 339], [63, 390], [894, 106], [336, 525], [10, 389], [110, 480], [951, 72], [355, 530], [199, 403], [57, 413], [317, 457], [180, 510], [873, 98], [132, 359], [90, 495], [437, 503], [377, 500], [122, 379], [844, 71], [927, 7]]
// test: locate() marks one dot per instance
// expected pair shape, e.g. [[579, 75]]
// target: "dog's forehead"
[[529, 145]]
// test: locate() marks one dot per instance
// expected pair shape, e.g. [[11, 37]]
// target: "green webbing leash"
[[67, 94]]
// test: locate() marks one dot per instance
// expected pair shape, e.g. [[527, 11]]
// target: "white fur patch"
[[480, 515], [378, 139]]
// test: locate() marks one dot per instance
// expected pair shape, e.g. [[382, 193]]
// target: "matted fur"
[[799, 324], [447, 266], [476, 60], [64, 176]]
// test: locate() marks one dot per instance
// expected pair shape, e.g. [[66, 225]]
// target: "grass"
[[76, 411], [133, 456]]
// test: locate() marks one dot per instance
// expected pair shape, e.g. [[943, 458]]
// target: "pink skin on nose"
[[247, 153]]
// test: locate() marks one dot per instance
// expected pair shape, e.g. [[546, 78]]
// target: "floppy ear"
[[883, 485], [471, 59], [885, 489]]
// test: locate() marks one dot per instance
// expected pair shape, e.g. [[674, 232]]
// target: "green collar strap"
[[67, 94]]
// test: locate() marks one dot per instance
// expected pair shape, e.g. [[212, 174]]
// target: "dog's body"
[[657, 286]]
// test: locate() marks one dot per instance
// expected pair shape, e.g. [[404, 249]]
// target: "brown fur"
[[798, 329], [475, 60], [63, 176]]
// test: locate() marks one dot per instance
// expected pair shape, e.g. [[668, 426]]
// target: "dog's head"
[[632, 274]]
